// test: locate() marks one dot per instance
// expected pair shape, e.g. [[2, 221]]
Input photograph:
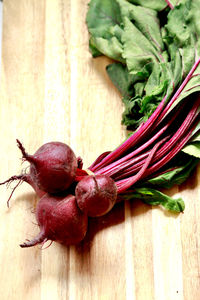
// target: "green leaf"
[[182, 31], [103, 21], [175, 69], [148, 26], [115, 35], [131, 116], [181, 35], [193, 146], [156, 87], [121, 78], [176, 175], [109, 47], [156, 57], [143, 52], [155, 197], [193, 149], [95, 52], [101, 16]]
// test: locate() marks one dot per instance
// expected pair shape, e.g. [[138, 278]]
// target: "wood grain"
[[52, 89]]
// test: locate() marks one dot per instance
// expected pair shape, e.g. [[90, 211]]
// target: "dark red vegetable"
[[96, 195], [52, 167], [59, 219]]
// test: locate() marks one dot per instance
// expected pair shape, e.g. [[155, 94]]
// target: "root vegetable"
[[52, 167], [96, 195], [59, 219]]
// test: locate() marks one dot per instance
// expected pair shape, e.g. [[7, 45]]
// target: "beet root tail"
[[25, 155], [21, 178], [12, 178], [40, 238]]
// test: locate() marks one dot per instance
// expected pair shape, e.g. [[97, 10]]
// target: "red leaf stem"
[[169, 4], [124, 184], [167, 147], [125, 161], [133, 139]]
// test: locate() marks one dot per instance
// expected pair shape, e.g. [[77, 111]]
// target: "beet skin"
[[96, 195], [59, 219], [52, 167]]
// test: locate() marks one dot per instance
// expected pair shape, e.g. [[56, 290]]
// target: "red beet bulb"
[[52, 167], [60, 220], [96, 195]]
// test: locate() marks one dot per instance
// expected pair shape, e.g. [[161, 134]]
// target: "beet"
[[96, 195], [59, 219], [52, 167]]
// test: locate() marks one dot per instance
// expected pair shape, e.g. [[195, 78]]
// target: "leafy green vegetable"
[[176, 175], [193, 149], [155, 197], [156, 48], [103, 20], [158, 56], [121, 78]]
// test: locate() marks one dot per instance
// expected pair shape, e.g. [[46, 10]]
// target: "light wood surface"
[[52, 89]]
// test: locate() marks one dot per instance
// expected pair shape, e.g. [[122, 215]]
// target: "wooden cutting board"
[[52, 89]]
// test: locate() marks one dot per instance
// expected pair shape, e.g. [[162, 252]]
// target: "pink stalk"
[[154, 174], [132, 168], [124, 184], [136, 161], [99, 159], [171, 154], [144, 172], [182, 129], [169, 4], [113, 167], [132, 140], [125, 161]]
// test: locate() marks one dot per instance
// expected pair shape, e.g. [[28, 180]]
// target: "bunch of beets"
[[69, 195]]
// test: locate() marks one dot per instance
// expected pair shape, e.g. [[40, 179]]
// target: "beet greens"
[[157, 72]]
